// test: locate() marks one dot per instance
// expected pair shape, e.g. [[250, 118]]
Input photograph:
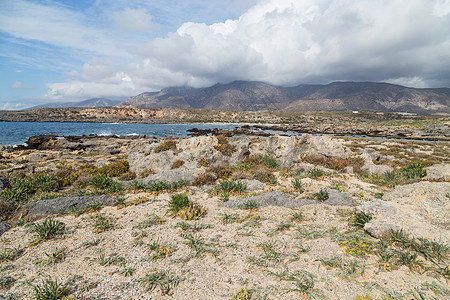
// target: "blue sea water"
[[17, 133]]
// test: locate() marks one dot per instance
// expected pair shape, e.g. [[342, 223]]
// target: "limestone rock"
[[371, 167], [274, 198], [3, 228], [255, 185], [421, 209], [339, 198], [438, 172], [43, 208]]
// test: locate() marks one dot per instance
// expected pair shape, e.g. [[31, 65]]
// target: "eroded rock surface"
[[420, 209]]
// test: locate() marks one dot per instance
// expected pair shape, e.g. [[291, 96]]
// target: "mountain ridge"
[[92, 102], [335, 96]]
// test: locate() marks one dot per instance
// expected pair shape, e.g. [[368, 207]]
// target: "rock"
[[41, 142], [420, 209], [336, 197], [182, 173], [3, 228], [255, 185], [274, 198], [370, 167], [44, 208], [3, 183], [438, 172]]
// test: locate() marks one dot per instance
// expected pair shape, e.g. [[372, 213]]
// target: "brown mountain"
[[336, 96]]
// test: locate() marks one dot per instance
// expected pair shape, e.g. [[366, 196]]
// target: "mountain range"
[[93, 102], [336, 96], [259, 96]]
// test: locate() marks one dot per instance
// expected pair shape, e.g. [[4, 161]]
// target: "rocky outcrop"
[[439, 172], [44, 208], [420, 209]]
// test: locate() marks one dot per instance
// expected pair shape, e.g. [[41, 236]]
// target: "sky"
[[72, 50]]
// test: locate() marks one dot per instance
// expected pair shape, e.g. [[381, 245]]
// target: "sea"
[[17, 133]]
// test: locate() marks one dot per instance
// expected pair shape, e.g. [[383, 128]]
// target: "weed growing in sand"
[[151, 220], [163, 280], [242, 294], [354, 243], [55, 257], [48, 229], [49, 289], [10, 254], [322, 195], [6, 282], [159, 250], [94, 242], [91, 207], [297, 184], [315, 173], [127, 272], [297, 216], [179, 205], [194, 228], [304, 283], [308, 232], [105, 261], [102, 222], [230, 218], [197, 244]]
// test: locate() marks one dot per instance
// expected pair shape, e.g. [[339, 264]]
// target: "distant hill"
[[336, 96], [93, 102]]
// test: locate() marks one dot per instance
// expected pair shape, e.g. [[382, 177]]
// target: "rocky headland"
[[226, 215]]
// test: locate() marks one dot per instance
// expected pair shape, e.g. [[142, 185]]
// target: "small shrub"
[[166, 146], [115, 169], [204, 178], [162, 280], [101, 181], [322, 195], [49, 290], [179, 205], [146, 173], [176, 164], [221, 172], [242, 294], [224, 146], [48, 229], [227, 186]]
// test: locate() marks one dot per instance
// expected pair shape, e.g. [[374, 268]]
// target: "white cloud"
[[133, 20], [281, 42], [17, 85]]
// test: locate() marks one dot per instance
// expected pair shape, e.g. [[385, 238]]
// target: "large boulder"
[[420, 209]]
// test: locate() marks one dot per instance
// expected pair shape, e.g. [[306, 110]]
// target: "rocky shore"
[[226, 215], [370, 124]]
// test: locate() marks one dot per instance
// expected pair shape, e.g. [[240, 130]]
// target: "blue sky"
[[53, 51]]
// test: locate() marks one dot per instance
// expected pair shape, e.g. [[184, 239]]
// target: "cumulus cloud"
[[17, 85], [286, 42], [132, 20]]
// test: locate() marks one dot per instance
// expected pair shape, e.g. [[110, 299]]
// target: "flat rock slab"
[[44, 208], [438, 172], [278, 198], [420, 209]]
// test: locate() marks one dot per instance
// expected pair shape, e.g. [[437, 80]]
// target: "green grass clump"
[[249, 204], [322, 195], [49, 290], [104, 182], [179, 205], [151, 221], [166, 146], [197, 244], [102, 223], [6, 282], [359, 219], [163, 280], [105, 261], [10, 254], [315, 173], [414, 170], [297, 184], [48, 229], [227, 186], [269, 162]]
